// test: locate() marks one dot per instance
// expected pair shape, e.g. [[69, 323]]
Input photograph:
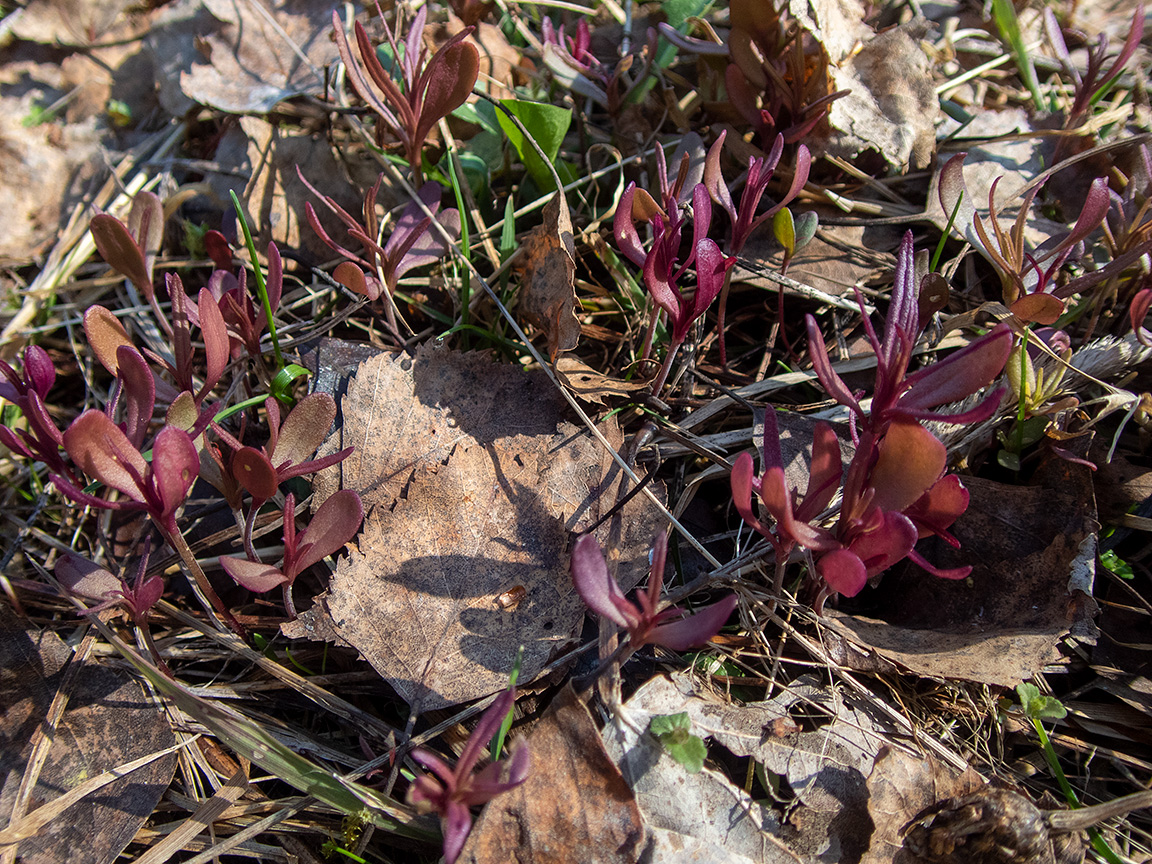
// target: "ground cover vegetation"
[[354, 374]]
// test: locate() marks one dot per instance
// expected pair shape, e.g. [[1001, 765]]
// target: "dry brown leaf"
[[899, 788], [77, 22], [274, 195], [893, 106], [574, 808], [226, 54], [499, 59], [837, 258], [45, 169], [1032, 549], [473, 483], [588, 384], [109, 721], [547, 294]]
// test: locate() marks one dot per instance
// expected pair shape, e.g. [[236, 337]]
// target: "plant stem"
[[201, 587], [662, 376], [1098, 843]]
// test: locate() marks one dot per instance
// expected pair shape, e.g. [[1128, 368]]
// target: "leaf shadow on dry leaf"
[[473, 484], [837, 258], [109, 721], [1032, 549]]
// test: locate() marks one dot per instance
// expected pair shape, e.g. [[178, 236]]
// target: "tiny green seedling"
[[674, 732]]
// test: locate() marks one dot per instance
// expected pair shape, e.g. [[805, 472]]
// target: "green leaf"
[[785, 230], [547, 124], [1116, 564], [250, 740], [1039, 707], [282, 383], [674, 732]]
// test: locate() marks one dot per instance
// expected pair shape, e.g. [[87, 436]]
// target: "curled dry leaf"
[[892, 107], [547, 294], [900, 787], [240, 58]]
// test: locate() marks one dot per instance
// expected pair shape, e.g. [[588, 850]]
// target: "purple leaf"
[[624, 228], [910, 460], [119, 249], [596, 586], [451, 75], [175, 464], [105, 335], [843, 571], [253, 575], [959, 375], [39, 371], [137, 392], [936, 510], [334, 524], [215, 335], [822, 365], [694, 631], [80, 576], [304, 429], [714, 179], [254, 473], [885, 545], [103, 452]]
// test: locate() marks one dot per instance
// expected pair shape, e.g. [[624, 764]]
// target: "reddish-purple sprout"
[[645, 623], [452, 792]]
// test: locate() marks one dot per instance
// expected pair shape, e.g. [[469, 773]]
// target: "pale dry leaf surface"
[[892, 107], [826, 767], [109, 721], [45, 169], [703, 814], [267, 155], [574, 807], [77, 22], [225, 54]]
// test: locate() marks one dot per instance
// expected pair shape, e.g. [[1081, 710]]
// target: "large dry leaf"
[[547, 295], [574, 808], [1032, 549], [892, 107], [473, 485], [241, 56], [109, 721], [900, 787], [703, 814]]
